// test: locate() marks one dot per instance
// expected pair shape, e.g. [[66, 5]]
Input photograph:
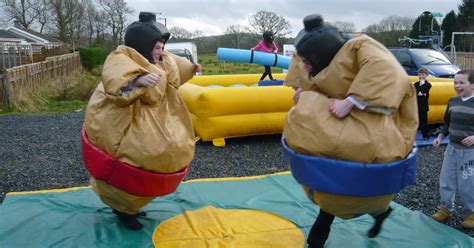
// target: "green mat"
[[77, 218]]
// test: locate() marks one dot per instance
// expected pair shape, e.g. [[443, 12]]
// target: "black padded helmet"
[[318, 42], [268, 36], [143, 34]]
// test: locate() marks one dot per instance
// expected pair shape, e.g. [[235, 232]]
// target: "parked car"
[[187, 50], [184, 53], [437, 63]]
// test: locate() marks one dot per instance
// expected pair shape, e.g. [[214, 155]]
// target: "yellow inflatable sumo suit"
[[382, 131], [146, 127], [383, 128]]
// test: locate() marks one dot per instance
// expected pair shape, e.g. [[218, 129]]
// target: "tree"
[[422, 25], [22, 11], [43, 11], [63, 13], [77, 26], [116, 17], [100, 27], [390, 29], [179, 34], [197, 34], [90, 17], [235, 33], [346, 27], [396, 23], [372, 29], [268, 21], [448, 26], [465, 18]]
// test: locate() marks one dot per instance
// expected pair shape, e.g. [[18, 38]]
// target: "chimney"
[[17, 24]]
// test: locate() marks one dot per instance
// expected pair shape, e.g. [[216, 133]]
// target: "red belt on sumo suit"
[[128, 178]]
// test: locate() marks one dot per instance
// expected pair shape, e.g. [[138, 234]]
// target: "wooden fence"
[[20, 80], [464, 60], [12, 54]]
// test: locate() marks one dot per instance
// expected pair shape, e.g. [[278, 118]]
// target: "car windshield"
[[430, 57], [184, 53]]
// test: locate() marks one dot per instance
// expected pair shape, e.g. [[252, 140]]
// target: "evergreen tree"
[[448, 26], [424, 28], [465, 18], [465, 23]]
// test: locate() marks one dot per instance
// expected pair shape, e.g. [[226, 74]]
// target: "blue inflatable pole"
[[255, 57]]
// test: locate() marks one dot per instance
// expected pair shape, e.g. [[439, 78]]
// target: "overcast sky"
[[214, 16]]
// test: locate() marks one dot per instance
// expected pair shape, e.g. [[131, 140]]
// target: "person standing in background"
[[422, 94], [267, 45]]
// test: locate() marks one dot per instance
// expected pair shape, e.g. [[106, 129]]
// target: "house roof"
[[31, 36], [40, 35], [7, 35]]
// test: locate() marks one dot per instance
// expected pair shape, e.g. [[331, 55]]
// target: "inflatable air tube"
[[253, 57]]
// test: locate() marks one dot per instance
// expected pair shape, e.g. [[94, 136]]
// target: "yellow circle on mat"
[[215, 227]]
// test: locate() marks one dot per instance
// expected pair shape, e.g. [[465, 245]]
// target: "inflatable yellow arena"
[[226, 106]]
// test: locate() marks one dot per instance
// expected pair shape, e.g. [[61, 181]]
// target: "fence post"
[[5, 88]]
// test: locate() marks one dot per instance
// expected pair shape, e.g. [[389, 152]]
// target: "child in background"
[[422, 94], [266, 45], [457, 173]]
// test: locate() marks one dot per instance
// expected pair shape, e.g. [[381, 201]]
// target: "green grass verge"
[[211, 66], [51, 106]]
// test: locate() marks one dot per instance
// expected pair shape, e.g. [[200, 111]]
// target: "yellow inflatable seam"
[[188, 181], [47, 191]]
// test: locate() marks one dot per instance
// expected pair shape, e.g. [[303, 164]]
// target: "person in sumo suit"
[[137, 122], [354, 102]]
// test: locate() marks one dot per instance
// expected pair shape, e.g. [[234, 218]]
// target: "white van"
[[186, 50], [288, 50]]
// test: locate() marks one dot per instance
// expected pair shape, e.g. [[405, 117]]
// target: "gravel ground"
[[43, 152]]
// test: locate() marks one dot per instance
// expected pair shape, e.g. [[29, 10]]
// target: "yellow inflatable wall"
[[226, 112]]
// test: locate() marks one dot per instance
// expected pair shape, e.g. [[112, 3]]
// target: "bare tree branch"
[[23, 11], [44, 13], [116, 17], [346, 27], [235, 33], [268, 21], [179, 33]]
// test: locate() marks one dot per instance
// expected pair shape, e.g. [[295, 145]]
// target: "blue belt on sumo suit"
[[342, 177]]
